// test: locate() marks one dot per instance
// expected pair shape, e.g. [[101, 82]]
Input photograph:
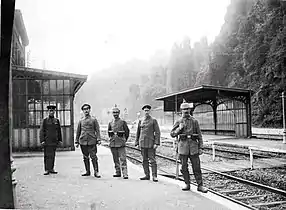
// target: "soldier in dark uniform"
[[148, 139], [189, 146], [50, 138], [118, 133], [88, 136]]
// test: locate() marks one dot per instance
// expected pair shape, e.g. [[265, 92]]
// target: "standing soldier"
[[50, 138], [118, 133], [148, 139], [189, 146], [87, 136]]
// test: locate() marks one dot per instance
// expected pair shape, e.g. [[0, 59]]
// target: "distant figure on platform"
[[50, 138], [189, 146], [118, 133], [148, 139], [88, 136]]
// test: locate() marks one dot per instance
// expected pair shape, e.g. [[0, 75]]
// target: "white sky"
[[83, 36]]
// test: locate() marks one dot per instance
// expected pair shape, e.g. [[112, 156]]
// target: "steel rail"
[[261, 186]]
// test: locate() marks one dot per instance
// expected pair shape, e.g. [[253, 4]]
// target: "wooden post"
[[284, 117], [177, 155], [213, 147], [251, 157], [6, 188]]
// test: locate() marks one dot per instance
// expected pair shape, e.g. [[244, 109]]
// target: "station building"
[[34, 89]]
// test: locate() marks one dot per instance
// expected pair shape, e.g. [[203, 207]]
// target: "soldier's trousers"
[[89, 151], [196, 165], [49, 157], [119, 159], [148, 154]]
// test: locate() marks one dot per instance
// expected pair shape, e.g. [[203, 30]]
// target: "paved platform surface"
[[68, 190]]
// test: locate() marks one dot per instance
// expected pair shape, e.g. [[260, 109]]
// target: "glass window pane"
[[60, 86], [53, 90], [61, 117], [46, 87], [66, 87], [34, 87], [19, 86], [67, 118], [38, 118], [19, 102], [60, 102], [31, 101], [67, 104], [31, 118]]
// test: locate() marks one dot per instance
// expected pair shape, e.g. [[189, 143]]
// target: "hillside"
[[250, 52]]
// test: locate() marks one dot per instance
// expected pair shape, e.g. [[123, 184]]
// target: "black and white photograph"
[[143, 105]]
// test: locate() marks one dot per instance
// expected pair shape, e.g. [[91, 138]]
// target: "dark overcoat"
[[50, 131]]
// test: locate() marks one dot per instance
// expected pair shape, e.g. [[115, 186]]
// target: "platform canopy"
[[213, 96], [20, 72]]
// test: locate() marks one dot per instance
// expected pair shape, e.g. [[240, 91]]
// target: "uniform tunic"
[[88, 131], [117, 144], [118, 125], [148, 133], [187, 145], [51, 135], [50, 131]]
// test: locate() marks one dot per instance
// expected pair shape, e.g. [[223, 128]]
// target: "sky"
[[88, 35]]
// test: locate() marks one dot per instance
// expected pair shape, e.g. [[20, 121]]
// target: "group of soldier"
[[186, 130]]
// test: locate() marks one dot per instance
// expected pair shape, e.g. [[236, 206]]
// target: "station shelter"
[[219, 110], [33, 90]]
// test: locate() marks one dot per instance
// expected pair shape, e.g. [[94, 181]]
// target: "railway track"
[[247, 193]]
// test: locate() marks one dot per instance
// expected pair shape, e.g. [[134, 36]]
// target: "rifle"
[[177, 159]]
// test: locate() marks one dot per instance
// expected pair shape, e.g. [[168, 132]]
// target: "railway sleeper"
[[232, 191], [251, 197], [274, 203]]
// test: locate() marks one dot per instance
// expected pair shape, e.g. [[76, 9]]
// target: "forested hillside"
[[249, 52]]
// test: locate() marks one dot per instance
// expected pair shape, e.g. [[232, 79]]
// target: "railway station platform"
[[69, 190]]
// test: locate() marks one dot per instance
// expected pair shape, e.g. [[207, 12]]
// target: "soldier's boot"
[[154, 172], [87, 167], [146, 171], [124, 172], [186, 176], [46, 173], [202, 189], [187, 187], [95, 167]]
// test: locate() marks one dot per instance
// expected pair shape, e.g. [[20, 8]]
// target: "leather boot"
[[155, 179], [117, 175], [187, 187], [96, 174], [87, 167], [202, 189], [145, 178]]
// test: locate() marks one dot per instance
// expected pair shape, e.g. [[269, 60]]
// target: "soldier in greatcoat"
[[189, 146], [148, 139], [50, 138], [88, 136], [118, 133]]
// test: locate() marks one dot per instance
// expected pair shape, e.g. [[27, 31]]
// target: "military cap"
[[115, 109], [85, 105], [185, 105], [51, 107], [146, 106]]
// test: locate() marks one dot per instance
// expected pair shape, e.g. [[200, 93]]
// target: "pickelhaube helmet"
[[186, 105], [115, 109]]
